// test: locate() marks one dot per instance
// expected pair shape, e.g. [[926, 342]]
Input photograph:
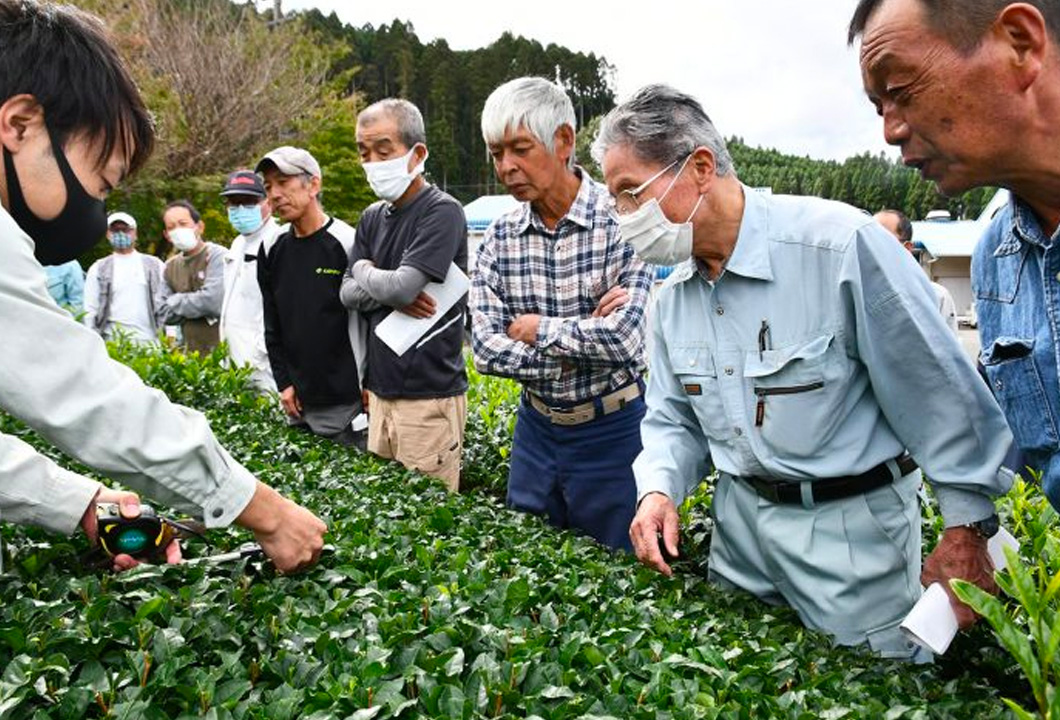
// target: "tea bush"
[[431, 605]]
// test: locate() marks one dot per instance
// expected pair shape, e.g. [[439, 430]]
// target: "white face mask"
[[391, 178], [654, 238], [183, 238]]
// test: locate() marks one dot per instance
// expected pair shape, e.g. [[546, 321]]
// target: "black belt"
[[790, 492]]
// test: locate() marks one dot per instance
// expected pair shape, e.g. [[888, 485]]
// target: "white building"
[[947, 252], [480, 213]]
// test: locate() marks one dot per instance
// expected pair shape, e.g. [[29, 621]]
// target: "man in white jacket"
[[65, 145], [242, 320]]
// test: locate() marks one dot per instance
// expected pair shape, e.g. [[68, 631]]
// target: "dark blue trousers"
[[580, 476]]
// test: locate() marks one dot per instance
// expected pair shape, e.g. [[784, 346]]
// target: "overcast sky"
[[776, 72]]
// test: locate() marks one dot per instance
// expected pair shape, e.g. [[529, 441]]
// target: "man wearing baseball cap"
[[315, 347], [242, 319], [124, 291]]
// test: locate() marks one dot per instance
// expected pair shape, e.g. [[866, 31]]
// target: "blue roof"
[[481, 212], [956, 238]]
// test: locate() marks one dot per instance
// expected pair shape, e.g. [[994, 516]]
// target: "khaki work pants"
[[425, 435]]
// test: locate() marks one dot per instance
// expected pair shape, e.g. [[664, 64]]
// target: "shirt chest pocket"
[[694, 369], [793, 394], [1018, 387]]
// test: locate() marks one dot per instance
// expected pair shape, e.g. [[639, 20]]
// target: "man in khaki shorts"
[[416, 401]]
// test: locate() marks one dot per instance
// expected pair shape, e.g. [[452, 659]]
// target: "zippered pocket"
[[763, 392]]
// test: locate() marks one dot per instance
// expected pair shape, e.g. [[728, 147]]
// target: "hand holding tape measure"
[[152, 537], [146, 536]]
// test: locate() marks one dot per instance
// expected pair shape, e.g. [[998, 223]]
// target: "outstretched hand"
[[656, 517]]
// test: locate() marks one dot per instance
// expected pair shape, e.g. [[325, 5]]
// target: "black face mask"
[[77, 227]]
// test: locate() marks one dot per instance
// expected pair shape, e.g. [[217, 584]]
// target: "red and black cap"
[[244, 182]]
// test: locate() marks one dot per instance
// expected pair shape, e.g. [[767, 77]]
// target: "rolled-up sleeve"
[[927, 388], [58, 379]]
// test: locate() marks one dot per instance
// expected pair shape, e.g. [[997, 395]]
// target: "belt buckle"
[[559, 410], [766, 490]]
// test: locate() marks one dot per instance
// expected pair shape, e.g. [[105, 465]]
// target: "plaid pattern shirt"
[[561, 274]]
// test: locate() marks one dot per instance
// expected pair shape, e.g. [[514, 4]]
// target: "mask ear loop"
[[676, 176], [419, 167], [695, 209]]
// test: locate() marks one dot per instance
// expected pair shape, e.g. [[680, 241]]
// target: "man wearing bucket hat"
[[315, 346]]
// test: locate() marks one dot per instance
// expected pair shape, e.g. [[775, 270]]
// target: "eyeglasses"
[[628, 201]]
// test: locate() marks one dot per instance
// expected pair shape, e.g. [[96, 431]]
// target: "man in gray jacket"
[[65, 145], [124, 291]]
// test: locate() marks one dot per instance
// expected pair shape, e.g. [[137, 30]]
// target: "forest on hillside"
[[226, 84]]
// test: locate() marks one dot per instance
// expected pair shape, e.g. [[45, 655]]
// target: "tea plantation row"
[[431, 605]]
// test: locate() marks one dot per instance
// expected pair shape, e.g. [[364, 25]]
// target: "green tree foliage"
[[871, 182], [583, 147], [451, 86], [226, 85]]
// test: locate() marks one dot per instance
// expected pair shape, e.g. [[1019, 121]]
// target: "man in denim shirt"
[[970, 91], [780, 348]]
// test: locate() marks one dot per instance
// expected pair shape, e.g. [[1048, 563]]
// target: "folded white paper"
[[400, 331], [932, 623], [996, 545]]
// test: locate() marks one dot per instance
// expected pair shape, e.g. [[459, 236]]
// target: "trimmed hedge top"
[[431, 605]]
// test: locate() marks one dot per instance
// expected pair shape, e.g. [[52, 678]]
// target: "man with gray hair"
[[558, 303], [780, 351], [411, 237]]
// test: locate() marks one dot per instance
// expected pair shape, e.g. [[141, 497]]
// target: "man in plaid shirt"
[[558, 303]]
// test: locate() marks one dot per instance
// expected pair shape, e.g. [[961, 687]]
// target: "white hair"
[[534, 103]]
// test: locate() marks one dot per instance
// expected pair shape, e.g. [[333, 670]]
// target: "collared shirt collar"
[[750, 256], [580, 212], [1023, 228]]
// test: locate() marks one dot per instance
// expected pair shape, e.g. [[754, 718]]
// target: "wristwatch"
[[987, 527]]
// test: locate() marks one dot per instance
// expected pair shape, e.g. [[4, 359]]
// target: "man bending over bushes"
[[780, 355]]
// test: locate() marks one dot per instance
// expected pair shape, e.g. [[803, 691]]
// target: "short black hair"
[[63, 57], [186, 204], [904, 227], [961, 22]]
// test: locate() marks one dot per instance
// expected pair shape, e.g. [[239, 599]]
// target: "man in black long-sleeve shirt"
[[308, 333]]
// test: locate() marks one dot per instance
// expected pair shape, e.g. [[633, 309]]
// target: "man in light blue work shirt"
[[781, 350], [66, 285]]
